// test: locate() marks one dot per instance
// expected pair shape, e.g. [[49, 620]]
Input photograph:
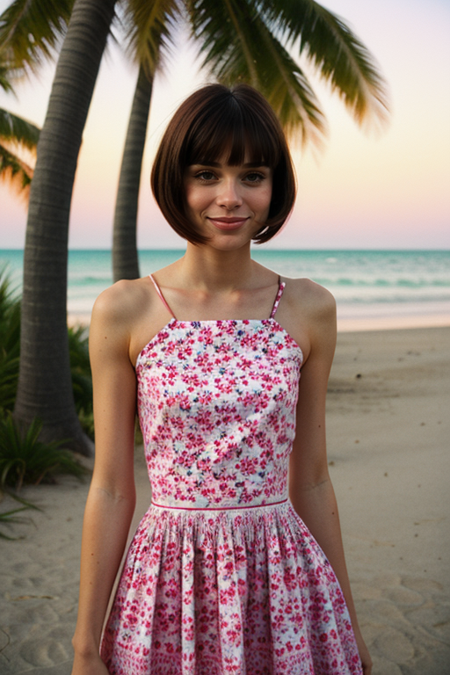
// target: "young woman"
[[234, 569]]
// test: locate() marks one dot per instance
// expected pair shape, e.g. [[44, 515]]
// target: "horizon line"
[[265, 249]]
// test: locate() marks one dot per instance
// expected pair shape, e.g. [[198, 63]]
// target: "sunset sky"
[[388, 189]]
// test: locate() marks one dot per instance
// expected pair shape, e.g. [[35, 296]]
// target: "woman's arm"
[[310, 488], [111, 500]]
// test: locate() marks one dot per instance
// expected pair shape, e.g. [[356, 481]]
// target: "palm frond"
[[237, 46], [219, 30], [9, 343], [340, 58], [5, 79], [8, 298], [17, 130], [149, 27], [30, 31], [16, 173], [9, 374]]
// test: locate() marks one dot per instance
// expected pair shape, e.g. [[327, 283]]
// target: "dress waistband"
[[218, 508]]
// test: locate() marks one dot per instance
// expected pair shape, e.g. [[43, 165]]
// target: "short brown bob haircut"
[[216, 122]]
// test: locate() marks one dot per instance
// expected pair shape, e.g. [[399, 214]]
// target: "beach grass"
[[24, 459], [10, 358]]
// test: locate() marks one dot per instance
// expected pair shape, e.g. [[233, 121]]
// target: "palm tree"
[[124, 249], [148, 27], [240, 40], [45, 387], [16, 135]]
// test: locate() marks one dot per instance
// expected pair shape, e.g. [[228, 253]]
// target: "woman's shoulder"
[[121, 301], [309, 296], [309, 313], [119, 307]]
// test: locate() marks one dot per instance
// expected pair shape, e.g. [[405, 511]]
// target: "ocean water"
[[372, 288]]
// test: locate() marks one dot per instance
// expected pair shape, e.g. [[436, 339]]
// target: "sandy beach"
[[389, 455]]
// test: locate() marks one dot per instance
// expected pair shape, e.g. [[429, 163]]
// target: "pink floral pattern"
[[222, 576]]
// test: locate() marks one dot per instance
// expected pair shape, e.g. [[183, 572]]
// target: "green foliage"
[[10, 517], [150, 27], [239, 45], [240, 40], [255, 42], [10, 354], [80, 367], [16, 134], [24, 459], [5, 82], [86, 418], [81, 377], [30, 31], [9, 344], [338, 55], [16, 173], [18, 130]]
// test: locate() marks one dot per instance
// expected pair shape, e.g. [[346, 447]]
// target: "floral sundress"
[[222, 576]]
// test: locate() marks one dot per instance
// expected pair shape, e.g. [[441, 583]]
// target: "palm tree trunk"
[[124, 252], [45, 387]]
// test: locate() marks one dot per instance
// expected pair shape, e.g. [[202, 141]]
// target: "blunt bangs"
[[230, 134], [220, 124]]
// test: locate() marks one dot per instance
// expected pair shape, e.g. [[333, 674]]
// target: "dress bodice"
[[216, 403]]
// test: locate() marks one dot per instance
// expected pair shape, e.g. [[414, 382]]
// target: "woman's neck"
[[203, 267]]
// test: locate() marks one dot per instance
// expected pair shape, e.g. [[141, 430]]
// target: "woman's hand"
[[89, 665]]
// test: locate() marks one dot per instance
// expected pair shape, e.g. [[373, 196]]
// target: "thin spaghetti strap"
[[163, 300], [281, 286]]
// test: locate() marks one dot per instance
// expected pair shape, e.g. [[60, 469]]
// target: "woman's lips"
[[223, 223]]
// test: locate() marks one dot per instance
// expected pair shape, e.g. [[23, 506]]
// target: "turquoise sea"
[[372, 288]]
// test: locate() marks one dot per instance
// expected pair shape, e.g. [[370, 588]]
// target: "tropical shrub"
[[9, 343], [24, 459], [10, 354], [81, 377]]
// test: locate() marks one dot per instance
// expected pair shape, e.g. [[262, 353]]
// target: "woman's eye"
[[254, 177], [205, 175]]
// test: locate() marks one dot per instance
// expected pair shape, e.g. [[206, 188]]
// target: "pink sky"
[[364, 190]]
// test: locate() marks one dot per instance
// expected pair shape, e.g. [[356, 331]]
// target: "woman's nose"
[[229, 194]]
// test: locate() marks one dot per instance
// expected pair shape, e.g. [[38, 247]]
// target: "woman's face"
[[228, 204]]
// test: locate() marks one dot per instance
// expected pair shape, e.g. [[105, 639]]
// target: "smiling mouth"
[[224, 223]]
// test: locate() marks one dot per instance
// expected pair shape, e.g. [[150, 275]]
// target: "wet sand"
[[389, 454]]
